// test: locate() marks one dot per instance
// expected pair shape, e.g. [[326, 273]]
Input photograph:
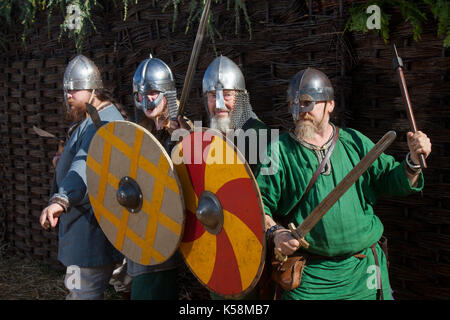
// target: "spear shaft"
[[398, 66]]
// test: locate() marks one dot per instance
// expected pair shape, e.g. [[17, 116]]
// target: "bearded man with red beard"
[[82, 244]]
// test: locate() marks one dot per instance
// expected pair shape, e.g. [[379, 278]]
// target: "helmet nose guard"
[[222, 74], [153, 74], [81, 74]]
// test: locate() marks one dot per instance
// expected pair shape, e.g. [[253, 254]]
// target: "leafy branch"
[[410, 11], [78, 16], [195, 9]]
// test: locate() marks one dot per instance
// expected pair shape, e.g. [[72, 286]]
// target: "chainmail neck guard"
[[242, 111]]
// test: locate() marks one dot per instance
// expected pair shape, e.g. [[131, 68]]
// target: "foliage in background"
[[195, 9], [24, 12], [411, 11]]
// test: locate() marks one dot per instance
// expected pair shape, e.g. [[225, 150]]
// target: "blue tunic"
[[81, 240]]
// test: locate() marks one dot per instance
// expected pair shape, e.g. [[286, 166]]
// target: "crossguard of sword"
[[301, 239], [298, 236]]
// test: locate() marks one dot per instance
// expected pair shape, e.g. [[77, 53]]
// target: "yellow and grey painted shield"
[[135, 193]]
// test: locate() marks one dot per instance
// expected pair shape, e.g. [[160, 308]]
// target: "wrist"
[[271, 231], [411, 167], [64, 203]]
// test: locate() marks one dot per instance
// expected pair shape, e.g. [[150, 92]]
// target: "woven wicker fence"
[[417, 226], [285, 39]]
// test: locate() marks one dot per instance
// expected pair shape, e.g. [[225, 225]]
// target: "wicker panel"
[[32, 88], [417, 226]]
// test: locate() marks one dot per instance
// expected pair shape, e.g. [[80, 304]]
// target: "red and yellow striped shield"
[[229, 262], [152, 233]]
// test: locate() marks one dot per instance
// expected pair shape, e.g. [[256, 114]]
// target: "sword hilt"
[[61, 146], [303, 243], [298, 236]]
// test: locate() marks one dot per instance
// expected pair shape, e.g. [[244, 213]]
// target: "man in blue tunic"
[[83, 248]]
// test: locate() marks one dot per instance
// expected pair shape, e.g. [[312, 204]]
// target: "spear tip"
[[397, 61], [395, 50]]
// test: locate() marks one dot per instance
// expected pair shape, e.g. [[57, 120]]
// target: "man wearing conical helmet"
[[228, 107], [82, 248], [155, 100], [229, 110], [344, 259]]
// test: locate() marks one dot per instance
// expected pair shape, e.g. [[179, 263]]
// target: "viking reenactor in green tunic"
[[344, 257]]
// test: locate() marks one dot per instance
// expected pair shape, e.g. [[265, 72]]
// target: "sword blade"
[[325, 205], [194, 57]]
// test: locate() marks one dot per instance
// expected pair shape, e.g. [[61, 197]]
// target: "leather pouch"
[[288, 274]]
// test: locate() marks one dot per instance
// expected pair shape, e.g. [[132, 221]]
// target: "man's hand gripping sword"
[[314, 217]]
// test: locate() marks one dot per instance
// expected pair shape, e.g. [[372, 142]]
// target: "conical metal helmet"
[[308, 85], [81, 74], [152, 74], [222, 74]]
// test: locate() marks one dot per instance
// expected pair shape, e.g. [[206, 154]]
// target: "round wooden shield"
[[135, 193], [228, 256]]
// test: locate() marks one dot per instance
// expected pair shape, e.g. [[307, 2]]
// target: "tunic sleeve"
[[73, 187], [387, 176], [269, 177], [391, 179]]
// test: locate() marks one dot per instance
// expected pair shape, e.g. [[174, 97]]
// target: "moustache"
[[306, 117], [220, 111]]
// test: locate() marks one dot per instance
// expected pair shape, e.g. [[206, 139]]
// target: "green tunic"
[[349, 227]]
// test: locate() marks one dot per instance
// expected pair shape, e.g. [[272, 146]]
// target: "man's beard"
[[221, 124], [305, 130], [76, 113]]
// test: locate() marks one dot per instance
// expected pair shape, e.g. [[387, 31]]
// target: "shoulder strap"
[[315, 176]]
